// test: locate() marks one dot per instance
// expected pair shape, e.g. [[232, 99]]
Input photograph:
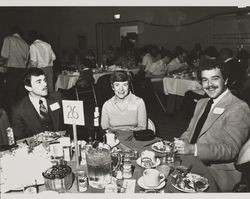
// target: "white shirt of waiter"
[[175, 64], [147, 61], [42, 54], [159, 67]]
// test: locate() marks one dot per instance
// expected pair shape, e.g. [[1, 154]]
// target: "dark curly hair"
[[212, 65], [32, 72]]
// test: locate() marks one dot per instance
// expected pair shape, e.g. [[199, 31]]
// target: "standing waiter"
[[15, 52]]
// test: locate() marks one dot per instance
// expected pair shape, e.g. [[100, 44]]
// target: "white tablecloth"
[[176, 86], [67, 81]]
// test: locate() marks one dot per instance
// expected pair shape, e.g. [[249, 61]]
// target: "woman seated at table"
[[124, 110]]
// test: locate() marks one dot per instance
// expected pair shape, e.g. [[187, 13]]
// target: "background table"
[[176, 86], [67, 81]]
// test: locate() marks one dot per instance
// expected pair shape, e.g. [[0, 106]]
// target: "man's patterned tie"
[[43, 110]]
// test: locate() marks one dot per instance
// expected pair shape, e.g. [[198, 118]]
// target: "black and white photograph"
[[124, 100]]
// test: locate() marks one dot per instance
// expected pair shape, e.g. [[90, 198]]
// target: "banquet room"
[[108, 99]]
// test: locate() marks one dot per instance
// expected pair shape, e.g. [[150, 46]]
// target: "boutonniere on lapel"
[[218, 110]]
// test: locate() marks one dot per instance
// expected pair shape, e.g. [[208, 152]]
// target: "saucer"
[[141, 184], [156, 163]]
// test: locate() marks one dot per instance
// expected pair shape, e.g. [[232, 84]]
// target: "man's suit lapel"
[[212, 117], [30, 111]]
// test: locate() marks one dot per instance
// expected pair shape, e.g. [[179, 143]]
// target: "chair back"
[[151, 125], [85, 79], [103, 89]]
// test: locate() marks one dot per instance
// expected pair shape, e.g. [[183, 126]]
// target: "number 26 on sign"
[[73, 112]]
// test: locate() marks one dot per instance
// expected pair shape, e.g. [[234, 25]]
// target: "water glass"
[[170, 155], [146, 162], [99, 167]]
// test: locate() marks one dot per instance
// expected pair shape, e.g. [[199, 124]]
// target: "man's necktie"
[[43, 110], [201, 121]]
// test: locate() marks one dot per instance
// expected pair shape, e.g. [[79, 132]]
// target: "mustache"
[[213, 87]]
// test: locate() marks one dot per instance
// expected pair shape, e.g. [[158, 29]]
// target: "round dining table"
[[128, 142]]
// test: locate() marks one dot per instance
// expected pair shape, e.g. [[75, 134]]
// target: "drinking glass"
[[170, 155], [99, 167]]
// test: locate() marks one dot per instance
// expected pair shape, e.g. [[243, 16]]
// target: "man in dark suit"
[[38, 111], [218, 129]]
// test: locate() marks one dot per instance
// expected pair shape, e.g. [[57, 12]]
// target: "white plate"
[[192, 178], [47, 136], [161, 147], [157, 162], [141, 184]]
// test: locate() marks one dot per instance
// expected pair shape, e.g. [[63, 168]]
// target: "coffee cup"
[[148, 154], [152, 177]]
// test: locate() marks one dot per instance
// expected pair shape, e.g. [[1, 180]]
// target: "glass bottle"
[[10, 135], [98, 134]]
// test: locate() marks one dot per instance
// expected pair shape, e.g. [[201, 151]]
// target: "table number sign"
[[73, 112]]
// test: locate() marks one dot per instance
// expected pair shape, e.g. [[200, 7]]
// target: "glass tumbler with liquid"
[[99, 167]]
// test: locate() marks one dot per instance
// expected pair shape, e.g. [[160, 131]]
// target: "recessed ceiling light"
[[117, 16]]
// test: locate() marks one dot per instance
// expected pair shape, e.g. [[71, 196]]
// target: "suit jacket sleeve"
[[224, 141], [18, 124]]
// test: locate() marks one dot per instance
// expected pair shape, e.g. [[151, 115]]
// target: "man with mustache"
[[39, 111], [218, 129]]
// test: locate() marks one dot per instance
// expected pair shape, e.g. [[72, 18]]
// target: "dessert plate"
[[161, 146]]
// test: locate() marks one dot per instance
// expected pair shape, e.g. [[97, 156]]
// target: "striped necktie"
[[43, 110]]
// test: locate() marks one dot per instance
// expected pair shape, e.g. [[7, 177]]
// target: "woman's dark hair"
[[212, 65], [120, 76], [32, 72]]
